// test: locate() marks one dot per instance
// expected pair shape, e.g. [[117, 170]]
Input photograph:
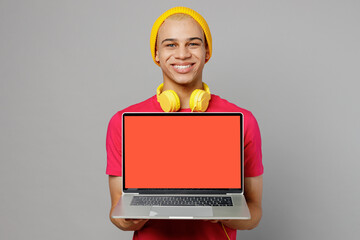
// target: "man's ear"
[[157, 56], [157, 59], [207, 54]]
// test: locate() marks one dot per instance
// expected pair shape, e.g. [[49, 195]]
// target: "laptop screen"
[[182, 150]]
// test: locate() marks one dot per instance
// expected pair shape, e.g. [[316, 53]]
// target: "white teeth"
[[181, 66]]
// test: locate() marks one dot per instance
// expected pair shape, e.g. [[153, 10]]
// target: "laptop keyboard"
[[181, 201]]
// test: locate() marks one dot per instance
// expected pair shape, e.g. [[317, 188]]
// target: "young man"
[[181, 44]]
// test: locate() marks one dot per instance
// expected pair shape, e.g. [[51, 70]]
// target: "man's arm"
[[115, 185], [253, 194]]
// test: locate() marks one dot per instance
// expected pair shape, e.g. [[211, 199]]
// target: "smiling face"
[[181, 51]]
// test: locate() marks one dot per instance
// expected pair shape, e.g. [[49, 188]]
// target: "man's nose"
[[183, 52]]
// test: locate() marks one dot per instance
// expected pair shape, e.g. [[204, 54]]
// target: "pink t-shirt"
[[186, 229]]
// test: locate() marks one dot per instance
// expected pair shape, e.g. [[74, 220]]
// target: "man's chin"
[[186, 83], [183, 81]]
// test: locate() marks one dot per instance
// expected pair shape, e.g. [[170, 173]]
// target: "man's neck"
[[183, 91]]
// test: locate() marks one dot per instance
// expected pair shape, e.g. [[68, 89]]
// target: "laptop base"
[[239, 210]]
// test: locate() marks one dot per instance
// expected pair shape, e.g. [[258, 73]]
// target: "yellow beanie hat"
[[198, 18]]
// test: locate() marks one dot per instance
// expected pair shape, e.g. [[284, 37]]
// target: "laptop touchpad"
[[205, 211]]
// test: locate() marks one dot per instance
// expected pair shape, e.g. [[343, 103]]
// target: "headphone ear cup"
[[169, 101], [199, 100]]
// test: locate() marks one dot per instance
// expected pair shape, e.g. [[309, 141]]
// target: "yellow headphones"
[[170, 102]]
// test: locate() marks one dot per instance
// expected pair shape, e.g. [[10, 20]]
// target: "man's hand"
[[129, 224], [115, 185], [218, 221], [253, 195]]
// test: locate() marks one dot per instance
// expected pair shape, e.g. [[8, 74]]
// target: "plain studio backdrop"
[[66, 67]]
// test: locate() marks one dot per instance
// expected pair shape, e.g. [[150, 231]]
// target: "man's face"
[[181, 51]]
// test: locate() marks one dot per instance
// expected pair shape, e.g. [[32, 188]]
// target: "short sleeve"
[[252, 147], [113, 146]]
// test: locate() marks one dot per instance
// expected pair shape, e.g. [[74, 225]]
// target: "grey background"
[[67, 66]]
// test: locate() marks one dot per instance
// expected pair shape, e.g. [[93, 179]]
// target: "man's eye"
[[171, 45], [194, 44]]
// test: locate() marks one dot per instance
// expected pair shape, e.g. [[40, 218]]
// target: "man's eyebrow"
[[194, 38], [174, 39], [168, 39]]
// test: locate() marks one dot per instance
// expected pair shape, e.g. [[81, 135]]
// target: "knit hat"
[[198, 18]]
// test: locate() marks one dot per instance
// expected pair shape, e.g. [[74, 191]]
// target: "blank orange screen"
[[182, 151]]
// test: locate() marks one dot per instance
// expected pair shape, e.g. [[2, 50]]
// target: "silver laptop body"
[[182, 158]]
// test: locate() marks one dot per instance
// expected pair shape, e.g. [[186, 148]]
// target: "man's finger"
[[137, 221]]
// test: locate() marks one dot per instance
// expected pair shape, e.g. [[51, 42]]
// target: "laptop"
[[182, 166]]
